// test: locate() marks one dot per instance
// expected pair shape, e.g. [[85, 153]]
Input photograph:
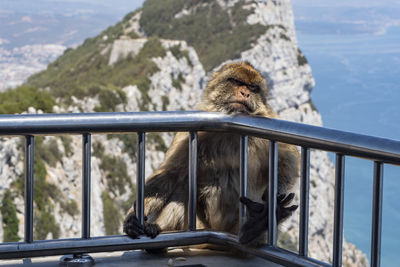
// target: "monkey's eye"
[[253, 88], [236, 82]]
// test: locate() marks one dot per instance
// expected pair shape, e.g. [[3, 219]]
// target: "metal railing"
[[306, 136]]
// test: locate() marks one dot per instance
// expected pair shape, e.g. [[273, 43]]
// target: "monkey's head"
[[234, 89]]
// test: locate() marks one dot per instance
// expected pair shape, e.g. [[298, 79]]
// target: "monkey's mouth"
[[240, 106]]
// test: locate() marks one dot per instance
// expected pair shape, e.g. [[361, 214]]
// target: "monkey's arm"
[[160, 189], [157, 193], [257, 222]]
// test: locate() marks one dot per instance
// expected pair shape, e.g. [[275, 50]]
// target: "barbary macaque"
[[236, 88]]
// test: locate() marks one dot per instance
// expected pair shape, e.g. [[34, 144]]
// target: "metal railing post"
[[272, 192], [192, 180], [338, 212], [140, 176], [86, 169], [304, 201], [244, 140], [376, 229], [29, 177]]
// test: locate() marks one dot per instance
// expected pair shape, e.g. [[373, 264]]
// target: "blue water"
[[358, 90]]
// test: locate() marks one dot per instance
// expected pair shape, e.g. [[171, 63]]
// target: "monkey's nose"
[[244, 93]]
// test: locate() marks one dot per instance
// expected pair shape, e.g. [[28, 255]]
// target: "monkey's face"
[[236, 88]]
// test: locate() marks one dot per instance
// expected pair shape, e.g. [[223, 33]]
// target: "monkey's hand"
[[283, 211], [134, 229], [257, 222], [151, 229]]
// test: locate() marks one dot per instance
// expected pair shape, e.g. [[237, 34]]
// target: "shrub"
[[116, 174], [21, 98], [301, 59], [129, 141], [156, 138], [67, 141], [44, 223], [111, 215], [110, 98], [10, 220], [70, 207]]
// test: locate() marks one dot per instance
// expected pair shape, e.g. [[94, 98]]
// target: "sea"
[[358, 90]]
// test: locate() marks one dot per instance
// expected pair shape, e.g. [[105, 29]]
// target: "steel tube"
[[29, 177], [192, 180], [338, 213], [376, 230], [272, 192], [86, 167], [140, 176], [244, 141], [118, 243], [373, 148], [304, 201]]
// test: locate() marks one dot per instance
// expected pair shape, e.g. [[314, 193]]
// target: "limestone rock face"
[[121, 48], [177, 84]]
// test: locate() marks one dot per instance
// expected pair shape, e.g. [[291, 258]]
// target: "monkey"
[[235, 89]]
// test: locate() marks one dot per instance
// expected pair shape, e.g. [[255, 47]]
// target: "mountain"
[[157, 58]]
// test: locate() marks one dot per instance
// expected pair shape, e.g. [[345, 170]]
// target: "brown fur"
[[166, 191]]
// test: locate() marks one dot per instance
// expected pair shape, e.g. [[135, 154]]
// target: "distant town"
[[17, 64]]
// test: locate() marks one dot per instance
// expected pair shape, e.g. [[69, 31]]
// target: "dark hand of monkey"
[[132, 226], [134, 229], [152, 230], [282, 211], [257, 222]]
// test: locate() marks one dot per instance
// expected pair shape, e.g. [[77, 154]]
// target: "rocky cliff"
[[158, 58]]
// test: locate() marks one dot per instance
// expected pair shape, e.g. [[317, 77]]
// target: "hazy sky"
[[113, 3], [354, 3]]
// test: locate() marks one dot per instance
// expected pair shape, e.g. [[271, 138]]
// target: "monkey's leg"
[[257, 222]]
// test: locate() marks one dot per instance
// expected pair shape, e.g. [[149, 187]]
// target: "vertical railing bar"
[[86, 188], [376, 230], [140, 176], [304, 201], [29, 165], [192, 180], [338, 212], [244, 140], [272, 192]]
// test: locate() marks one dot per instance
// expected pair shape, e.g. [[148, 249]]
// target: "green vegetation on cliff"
[[215, 33], [84, 71], [44, 221], [10, 220], [301, 59], [21, 98], [111, 214]]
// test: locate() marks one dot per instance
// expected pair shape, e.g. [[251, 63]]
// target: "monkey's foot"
[[132, 226], [257, 222]]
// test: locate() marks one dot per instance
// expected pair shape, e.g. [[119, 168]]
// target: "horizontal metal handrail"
[[122, 242], [374, 148], [307, 137]]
